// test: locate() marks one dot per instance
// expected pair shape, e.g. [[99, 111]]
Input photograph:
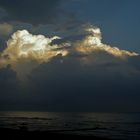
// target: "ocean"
[[109, 125]]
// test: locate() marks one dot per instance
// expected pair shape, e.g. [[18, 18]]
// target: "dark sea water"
[[110, 125]]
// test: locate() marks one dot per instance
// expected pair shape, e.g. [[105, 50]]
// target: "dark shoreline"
[[17, 134]]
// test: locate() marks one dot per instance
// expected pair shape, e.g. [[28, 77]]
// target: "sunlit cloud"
[[5, 28], [92, 42], [34, 47], [26, 51]]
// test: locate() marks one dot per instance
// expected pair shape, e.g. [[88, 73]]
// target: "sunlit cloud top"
[[23, 46], [93, 42]]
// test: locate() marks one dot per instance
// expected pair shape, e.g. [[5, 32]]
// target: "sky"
[[76, 55]]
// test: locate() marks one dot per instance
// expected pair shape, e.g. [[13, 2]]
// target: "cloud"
[[36, 12], [25, 45], [74, 73], [92, 42], [68, 85], [67, 67], [23, 48], [25, 52], [5, 28], [3, 13], [9, 85]]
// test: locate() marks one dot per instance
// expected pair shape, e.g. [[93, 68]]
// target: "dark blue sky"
[[119, 20]]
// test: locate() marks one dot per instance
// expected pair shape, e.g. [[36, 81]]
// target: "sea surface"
[[110, 125]]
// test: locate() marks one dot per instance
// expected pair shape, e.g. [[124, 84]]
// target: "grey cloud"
[[97, 81], [8, 87], [5, 29], [66, 84], [3, 13], [39, 11]]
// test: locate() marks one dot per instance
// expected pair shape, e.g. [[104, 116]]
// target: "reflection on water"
[[113, 125]]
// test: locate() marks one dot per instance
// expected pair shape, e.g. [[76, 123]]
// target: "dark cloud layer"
[[31, 11], [65, 84], [87, 88], [8, 87]]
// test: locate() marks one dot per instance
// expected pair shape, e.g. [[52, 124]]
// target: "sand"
[[17, 134]]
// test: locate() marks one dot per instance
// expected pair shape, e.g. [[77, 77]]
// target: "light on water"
[[113, 125]]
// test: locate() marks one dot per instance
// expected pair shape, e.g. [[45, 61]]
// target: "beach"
[[68, 125], [17, 134]]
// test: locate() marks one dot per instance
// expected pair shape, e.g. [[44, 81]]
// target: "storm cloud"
[[82, 74], [52, 58], [31, 11], [28, 51]]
